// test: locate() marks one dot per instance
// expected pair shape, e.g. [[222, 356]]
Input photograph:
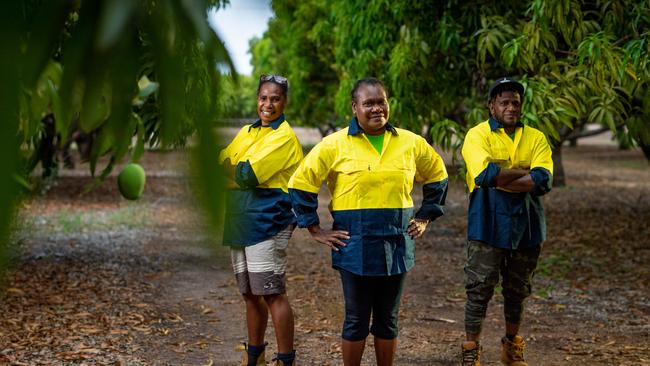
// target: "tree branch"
[[577, 134]]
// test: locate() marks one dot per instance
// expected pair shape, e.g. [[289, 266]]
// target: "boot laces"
[[278, 362], [516, 351], [470, 356]]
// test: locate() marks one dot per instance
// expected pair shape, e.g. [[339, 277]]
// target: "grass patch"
[[637, 164], [554, 266], [545, 292], [131, 217], [551, 269], [70, 221]]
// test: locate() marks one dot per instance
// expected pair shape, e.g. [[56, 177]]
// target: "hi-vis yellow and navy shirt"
[[496, 216], [264, 157], [371, 195]]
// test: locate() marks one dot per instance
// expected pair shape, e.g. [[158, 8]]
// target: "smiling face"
[[370, 106], [506, 108], [270, 102]]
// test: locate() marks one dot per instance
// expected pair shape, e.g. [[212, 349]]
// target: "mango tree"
[[114, 69], [582, 62]]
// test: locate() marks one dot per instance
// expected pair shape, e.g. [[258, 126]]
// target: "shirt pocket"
[[347, 179], [499, 154], [403, 161], [390, 189], [523, 160]]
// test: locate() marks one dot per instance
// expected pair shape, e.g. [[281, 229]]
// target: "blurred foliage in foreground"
[[111, 75], [582, 62]]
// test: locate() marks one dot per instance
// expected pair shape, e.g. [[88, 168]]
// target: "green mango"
[[131, 181]]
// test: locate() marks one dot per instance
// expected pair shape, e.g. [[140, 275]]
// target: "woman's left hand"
[[417, 227]]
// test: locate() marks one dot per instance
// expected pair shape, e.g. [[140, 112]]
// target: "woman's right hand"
[[331, 238]]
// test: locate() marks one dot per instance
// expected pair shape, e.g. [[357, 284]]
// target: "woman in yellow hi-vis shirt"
[[370, 167], [259, 220]]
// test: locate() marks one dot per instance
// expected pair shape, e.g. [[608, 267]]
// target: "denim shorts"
[[378, 296]]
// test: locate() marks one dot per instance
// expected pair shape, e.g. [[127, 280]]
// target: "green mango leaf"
[[43, 38], [115, 16], [138, 151], [194, 11], [96, 104]]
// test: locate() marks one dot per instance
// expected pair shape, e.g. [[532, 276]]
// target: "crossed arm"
[[229, 174], [484, 171], [516, 180]]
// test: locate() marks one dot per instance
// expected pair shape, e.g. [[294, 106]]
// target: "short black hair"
[[366, 81], [278, 80], [507, 87], [505, 84]]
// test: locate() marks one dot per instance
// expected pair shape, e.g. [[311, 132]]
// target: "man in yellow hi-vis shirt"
[[259, 220], [369, 168], [509, 167]]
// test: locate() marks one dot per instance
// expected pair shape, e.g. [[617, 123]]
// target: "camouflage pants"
[[484, 264]]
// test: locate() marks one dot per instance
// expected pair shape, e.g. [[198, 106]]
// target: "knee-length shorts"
[[260, 268], [371, 296]]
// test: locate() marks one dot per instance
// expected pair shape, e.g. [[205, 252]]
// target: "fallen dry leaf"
[[15, 291]]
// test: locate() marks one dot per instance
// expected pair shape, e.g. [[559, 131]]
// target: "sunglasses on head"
[[274, 78]]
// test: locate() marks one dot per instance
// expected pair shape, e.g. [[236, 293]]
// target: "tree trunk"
[[646, 151], [559, 180], [426, 133], [326, 128], [48, 147]]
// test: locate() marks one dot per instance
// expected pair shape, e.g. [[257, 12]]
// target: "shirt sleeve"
[[430, 169], [541, 167], [434, 196], [280, 151], [245, 176], [480, 170], [229, 151], [429, 166], [304, 206], [306, 182]]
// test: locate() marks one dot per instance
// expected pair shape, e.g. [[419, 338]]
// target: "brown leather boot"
[[512, 353], [471, 355]]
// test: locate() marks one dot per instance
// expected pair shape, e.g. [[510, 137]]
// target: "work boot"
[[288, 359], [280, 363], [512, 352], [471, 354], [261, 359]]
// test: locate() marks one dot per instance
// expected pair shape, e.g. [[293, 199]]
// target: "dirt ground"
[[100, 280]]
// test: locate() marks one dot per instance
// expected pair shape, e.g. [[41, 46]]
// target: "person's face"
[[506, 108], [371, 108], [270, 102]]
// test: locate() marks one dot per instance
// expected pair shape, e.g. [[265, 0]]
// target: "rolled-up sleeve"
[[543, 181], [488, 177], [541, 167], [306, 182], [304, 206], [245, 176]]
